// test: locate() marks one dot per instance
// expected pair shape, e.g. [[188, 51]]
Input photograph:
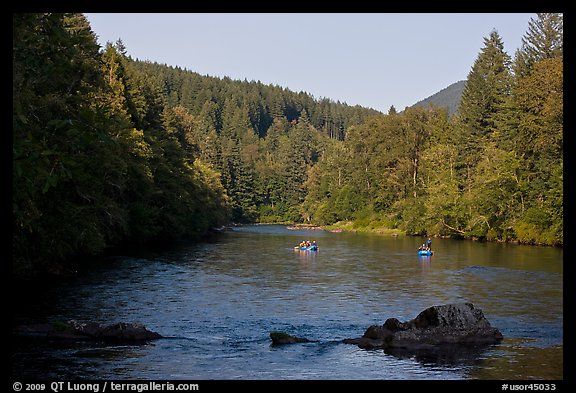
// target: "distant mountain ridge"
[[448, 97]]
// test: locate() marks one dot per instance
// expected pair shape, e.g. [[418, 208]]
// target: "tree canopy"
[[110, 150]]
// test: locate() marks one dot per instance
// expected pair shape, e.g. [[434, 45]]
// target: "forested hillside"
[[110, 150], [262, 139], [493, 171], [448, 98]]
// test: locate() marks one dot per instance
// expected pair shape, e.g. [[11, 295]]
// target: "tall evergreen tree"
[[543, 40], [534, 124], [484, 96]]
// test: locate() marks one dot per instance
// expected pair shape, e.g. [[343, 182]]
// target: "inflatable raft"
[[311, 248]]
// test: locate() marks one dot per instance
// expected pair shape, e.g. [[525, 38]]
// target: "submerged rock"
[[74, 330], [444, 325], [281, 338]]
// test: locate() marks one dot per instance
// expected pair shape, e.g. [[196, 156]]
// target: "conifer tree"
[[543, 40], [534, 131], [484, 96]]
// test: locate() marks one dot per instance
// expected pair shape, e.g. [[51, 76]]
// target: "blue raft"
[[311, 248], [425, 252]]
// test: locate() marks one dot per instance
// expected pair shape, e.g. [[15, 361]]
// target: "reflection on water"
[[218, 301], [446, 354], [522, 362]]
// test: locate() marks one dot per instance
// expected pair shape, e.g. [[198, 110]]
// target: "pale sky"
[[370, 59]]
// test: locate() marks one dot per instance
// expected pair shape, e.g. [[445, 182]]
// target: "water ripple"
[[216, 303]]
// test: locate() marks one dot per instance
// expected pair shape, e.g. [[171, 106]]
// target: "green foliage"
[[58, 128], [97, 158], [543, 40], [476, 174], [537, 227], [411, 213], [483, 99], [107, 149], [495, 196]]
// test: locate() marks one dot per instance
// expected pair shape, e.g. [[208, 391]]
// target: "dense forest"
[[110, 150]]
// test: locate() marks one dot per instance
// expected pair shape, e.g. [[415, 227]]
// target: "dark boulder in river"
[[281, 338], [74, 330], [444, 326]]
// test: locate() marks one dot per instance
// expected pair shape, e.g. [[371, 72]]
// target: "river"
[[217, 302]]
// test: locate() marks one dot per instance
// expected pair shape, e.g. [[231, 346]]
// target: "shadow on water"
[[61, 359]]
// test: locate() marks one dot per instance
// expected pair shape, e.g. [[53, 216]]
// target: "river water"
[[217, 302]]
